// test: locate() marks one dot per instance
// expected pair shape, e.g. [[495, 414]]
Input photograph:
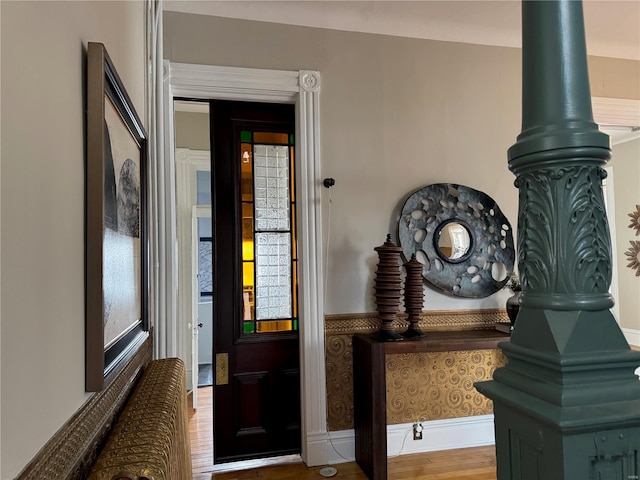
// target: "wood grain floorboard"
[[462, 464]]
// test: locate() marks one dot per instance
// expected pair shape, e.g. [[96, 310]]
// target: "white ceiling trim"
[[612, 26], [616, 111], [617, 117]]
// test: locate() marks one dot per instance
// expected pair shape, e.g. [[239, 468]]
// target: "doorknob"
[[200, 325]]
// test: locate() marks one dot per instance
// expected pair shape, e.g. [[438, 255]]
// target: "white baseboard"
[[314, 452], [342, 446], [436, 435], [632, 336]]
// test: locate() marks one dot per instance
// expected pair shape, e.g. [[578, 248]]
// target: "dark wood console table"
[[370, 390]]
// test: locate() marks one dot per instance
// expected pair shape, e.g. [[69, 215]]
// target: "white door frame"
[[186, 165], [193, 296], [301, 88], [197, 211]]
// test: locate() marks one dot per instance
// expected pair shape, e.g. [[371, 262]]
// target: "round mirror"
[[453, 241], [460, 236]]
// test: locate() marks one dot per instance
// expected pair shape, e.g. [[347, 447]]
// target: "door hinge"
[[222, 368]]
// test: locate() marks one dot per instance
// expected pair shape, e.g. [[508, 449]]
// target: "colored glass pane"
[[273, 138], [245, 136], [295, 324], [247, 277], [294, 241], [248, 327], [246, 172], [295, 288], [273, 326], [248, 308], [291, 138]]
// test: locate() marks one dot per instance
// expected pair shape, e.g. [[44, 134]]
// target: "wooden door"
[[257, 391]]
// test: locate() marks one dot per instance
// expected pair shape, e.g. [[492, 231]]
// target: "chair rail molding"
[[301, 88]]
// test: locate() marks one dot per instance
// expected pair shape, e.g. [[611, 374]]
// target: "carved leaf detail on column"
[[535, 257], [589, 251], [576, 258]]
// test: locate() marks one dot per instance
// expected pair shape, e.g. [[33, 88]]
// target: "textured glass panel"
[[273, 290], [271, 182], [261, 224]]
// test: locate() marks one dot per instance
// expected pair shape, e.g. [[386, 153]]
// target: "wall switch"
[[417, 431]]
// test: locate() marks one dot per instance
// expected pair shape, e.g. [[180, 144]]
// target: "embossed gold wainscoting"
[[420, 386]]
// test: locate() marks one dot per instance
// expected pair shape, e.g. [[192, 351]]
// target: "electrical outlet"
[[417, 431]]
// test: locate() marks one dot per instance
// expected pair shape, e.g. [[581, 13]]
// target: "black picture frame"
[[116, 298]]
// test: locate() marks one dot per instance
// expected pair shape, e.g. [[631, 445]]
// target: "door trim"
[[187, 162], [301, 88]]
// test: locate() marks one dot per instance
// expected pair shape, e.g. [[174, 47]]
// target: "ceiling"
[[612, 26]]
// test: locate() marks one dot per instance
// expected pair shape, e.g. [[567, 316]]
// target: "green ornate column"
[[567, 404]]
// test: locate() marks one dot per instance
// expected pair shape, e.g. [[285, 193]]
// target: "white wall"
[[192, 130], [396, 114], [626, 173], [42, 185], [205, 337]]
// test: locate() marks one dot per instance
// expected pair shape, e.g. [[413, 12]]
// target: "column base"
[[536, 440]]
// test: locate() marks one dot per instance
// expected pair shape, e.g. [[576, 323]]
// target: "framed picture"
[[116, 205], [205, 271]]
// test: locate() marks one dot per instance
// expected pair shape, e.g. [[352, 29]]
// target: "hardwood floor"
[[465, 464], [201, 432]]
